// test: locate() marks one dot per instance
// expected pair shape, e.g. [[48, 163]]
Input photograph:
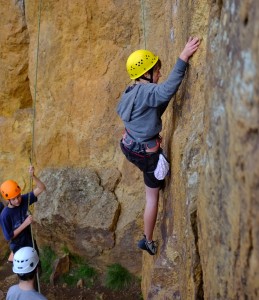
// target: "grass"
[[47, 258], [117, 277], [79, 269]]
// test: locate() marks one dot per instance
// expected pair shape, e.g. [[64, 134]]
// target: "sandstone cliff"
[[207, 227]]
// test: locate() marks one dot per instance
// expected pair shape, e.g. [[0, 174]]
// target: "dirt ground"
[[97, 292]]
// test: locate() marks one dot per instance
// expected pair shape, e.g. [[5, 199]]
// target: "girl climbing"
[[141, 108]]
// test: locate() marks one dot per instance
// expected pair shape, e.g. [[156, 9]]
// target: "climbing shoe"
[[151, 247]]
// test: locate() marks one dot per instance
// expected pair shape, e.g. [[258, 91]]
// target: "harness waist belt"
[[148, 146]]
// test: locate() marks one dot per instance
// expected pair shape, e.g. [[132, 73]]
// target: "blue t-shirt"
[[12, 218], [15, 293]]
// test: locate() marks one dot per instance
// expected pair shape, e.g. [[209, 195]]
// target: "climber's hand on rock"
[[190, 47]]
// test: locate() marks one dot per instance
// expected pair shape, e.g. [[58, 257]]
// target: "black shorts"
[[146, 163]]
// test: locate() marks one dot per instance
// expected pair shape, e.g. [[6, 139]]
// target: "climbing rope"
[[36, 80], [33, 122], [143, 22]]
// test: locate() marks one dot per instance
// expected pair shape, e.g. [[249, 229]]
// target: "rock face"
[[61, 266], [228, 198], [207, 226], [3, 243], [4, 247], [76, 202], [77, 212]]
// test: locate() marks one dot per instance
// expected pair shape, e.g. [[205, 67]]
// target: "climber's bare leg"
[[150, 213]]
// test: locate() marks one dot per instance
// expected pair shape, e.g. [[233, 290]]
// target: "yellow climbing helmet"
[[10, 189], [139, 62]]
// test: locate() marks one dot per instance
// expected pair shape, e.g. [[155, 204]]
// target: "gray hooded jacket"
[[142, 105]]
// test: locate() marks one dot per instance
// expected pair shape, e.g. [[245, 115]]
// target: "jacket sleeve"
[[161, 93]]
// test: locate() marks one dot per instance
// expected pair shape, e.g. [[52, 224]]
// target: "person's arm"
[[40, 186], [7, 228], [160, 93], [19, 229], [190, 47]]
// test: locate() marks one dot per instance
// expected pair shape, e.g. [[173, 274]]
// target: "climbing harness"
[[150, 146]]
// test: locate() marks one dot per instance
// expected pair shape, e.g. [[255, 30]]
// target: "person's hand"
[[28, 220], [190, 47], [31, 171]]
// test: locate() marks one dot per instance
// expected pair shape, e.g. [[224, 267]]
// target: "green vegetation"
[[79, 270], [118, 278], [47, 258], [65, 249]]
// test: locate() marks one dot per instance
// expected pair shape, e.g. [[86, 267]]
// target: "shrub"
[[117, 277], [79, 270], [47, 257]]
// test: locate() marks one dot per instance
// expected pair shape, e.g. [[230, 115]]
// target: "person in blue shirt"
[[25, 264], [141, 108], [15, 219]]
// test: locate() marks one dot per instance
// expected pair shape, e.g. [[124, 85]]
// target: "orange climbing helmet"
[[10, 189], [139, 62]]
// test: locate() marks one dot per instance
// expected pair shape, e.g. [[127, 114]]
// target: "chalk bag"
[[162, 167]]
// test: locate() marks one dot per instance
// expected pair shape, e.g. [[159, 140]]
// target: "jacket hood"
[[125, 106]]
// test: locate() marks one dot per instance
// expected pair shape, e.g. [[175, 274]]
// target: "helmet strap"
[[145, 78], [151, 76], [10, 203]]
